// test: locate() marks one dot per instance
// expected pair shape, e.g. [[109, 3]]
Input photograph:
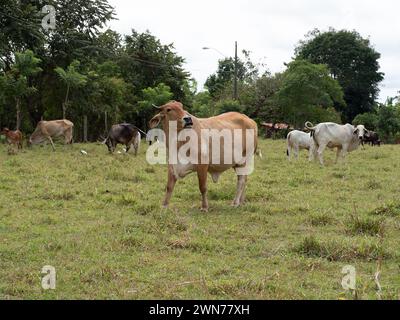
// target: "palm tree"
[[72, 79]]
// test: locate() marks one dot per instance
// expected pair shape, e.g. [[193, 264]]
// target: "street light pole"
[[235, 79], [235, 92]]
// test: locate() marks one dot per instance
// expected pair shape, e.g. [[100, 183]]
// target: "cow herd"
[[345, 138]]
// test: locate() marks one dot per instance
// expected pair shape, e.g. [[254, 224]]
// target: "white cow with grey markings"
[[345, 138]]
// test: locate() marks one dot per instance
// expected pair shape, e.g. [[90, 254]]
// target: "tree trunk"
[[105, 122], [18, 107], [85, 129], [65, 104]]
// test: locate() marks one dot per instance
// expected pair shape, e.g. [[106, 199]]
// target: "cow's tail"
[[288, 144], [310, 127]]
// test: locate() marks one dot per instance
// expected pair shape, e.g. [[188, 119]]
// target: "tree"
[[16, 81], [72, 80], [145, 63], [306, 86], [202, 105], [369, 120], [20, 29], [258, 98], [158, 96], [229, 105], [351, 60], [388, 121], [223, 78]]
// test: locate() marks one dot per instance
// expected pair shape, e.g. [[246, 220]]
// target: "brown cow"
[[273, 128], [46, 130], [230, 123], [13, 137]]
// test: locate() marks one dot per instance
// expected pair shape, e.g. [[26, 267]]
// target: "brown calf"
[[13, 137]]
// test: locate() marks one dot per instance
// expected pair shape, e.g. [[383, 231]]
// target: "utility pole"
[[235, 80]]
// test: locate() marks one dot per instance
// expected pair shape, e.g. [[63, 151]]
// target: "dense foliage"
[[81, 70], [352, 61], [78, 70]]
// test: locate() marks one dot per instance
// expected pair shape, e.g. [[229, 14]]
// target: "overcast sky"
[[269, 29]]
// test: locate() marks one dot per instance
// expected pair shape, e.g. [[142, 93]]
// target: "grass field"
[[97, 220]]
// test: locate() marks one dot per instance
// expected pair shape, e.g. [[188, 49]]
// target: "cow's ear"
[[355, 131], [155, 121]]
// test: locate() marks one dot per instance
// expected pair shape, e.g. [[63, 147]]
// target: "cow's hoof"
[[235, 205], [204, 209]]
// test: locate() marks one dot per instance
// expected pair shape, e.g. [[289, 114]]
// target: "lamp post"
[[235, 78]]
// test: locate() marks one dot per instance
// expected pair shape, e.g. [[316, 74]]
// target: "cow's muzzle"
[[187, 122]]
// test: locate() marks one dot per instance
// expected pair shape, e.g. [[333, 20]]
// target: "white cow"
[[345, 138], [298, 140]]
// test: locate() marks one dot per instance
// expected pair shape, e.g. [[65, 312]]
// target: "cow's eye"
[[168, 110]]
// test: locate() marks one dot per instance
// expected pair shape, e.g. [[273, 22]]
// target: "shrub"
[[228, 106]]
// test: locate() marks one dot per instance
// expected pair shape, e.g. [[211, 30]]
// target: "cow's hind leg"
[[338, 153], [296, 152], [202, 176], [312, 152], [68, 138], [243, 195], [320, 153], [241, 184]]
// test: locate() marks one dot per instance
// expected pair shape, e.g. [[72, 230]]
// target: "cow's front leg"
[[52, 144], [202, 176], [170, 187], [243, 195], [241, 184], [128, 147], [338, 153]]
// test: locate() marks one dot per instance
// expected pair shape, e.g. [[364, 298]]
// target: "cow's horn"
[[157, 107]]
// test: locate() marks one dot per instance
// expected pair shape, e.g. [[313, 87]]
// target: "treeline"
[[79, 71]]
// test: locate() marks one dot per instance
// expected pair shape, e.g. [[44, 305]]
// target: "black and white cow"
[[123, 133]]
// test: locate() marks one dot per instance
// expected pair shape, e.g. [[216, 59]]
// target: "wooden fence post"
[[106, 122], [85, 129]]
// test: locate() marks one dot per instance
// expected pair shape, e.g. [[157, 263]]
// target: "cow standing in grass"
[[47, 130], [372, 138], [123, 133], [345, 138], [173, 114], [13, 137], [296, 141]]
